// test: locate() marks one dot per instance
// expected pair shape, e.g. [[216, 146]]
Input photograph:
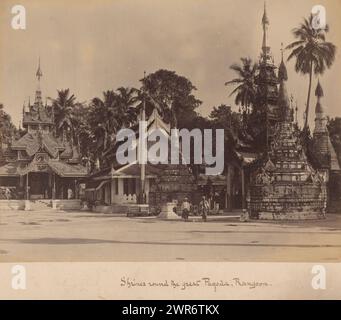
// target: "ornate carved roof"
[[32, 142], [37, 114]]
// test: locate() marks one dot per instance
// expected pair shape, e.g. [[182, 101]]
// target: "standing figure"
[[8, 193], [216, 200], [185, 209], [204, 208], [69, 193]]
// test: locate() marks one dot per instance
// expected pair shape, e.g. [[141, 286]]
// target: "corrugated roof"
[[134, 170]]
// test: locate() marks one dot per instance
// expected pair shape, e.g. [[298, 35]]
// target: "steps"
[[119, 209], [40, 205]]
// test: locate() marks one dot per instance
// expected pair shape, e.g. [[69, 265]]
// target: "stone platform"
[[167, 212]]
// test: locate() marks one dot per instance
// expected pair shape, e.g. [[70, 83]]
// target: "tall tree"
[[174, 95], [103, 118], [65, 116], [81, 129], [246, 90], [107, 115], [127, 99], [312, 52]]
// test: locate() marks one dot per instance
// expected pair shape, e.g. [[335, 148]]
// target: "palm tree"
[[64, 113], [103, 118], [107, 115], [127, 99], [246, 88], [312, 52]]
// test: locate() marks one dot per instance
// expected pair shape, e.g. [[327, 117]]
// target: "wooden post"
[[243, 187], [27, 191], [54, 186], [142, 150]]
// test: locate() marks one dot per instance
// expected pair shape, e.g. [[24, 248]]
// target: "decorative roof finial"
[[265, 19], [39, 73]]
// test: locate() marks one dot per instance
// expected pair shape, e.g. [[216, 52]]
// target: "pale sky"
[[91, 46]]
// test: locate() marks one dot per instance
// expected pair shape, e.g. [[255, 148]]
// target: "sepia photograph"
[[174, 138]]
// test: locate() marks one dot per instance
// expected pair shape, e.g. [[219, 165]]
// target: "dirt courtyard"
[[83, 236]]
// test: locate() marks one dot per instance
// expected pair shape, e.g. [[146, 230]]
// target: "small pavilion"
[[40, 165]]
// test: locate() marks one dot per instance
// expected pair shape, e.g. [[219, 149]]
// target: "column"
[[53, 186], [112, 191], [120, 186], [27, 188]]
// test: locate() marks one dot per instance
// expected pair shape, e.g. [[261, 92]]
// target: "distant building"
[[41, 165]]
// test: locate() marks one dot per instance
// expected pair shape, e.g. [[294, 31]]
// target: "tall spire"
[[39, 74], [320, 117], [283, 99], [267, 83], [265, 19], [319, 95], [265, 23], [282, 71]]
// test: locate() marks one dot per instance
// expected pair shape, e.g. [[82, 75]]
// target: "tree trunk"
[[175, 122], [105, 140], [308, 98]]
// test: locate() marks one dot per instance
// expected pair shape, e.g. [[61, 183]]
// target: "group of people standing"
[[204, 208]]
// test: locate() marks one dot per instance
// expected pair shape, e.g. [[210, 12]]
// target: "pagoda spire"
[[282, 70], [267, 83], [320, 117], [283, 98], [265, 24], [265, 47], [39, 74]]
